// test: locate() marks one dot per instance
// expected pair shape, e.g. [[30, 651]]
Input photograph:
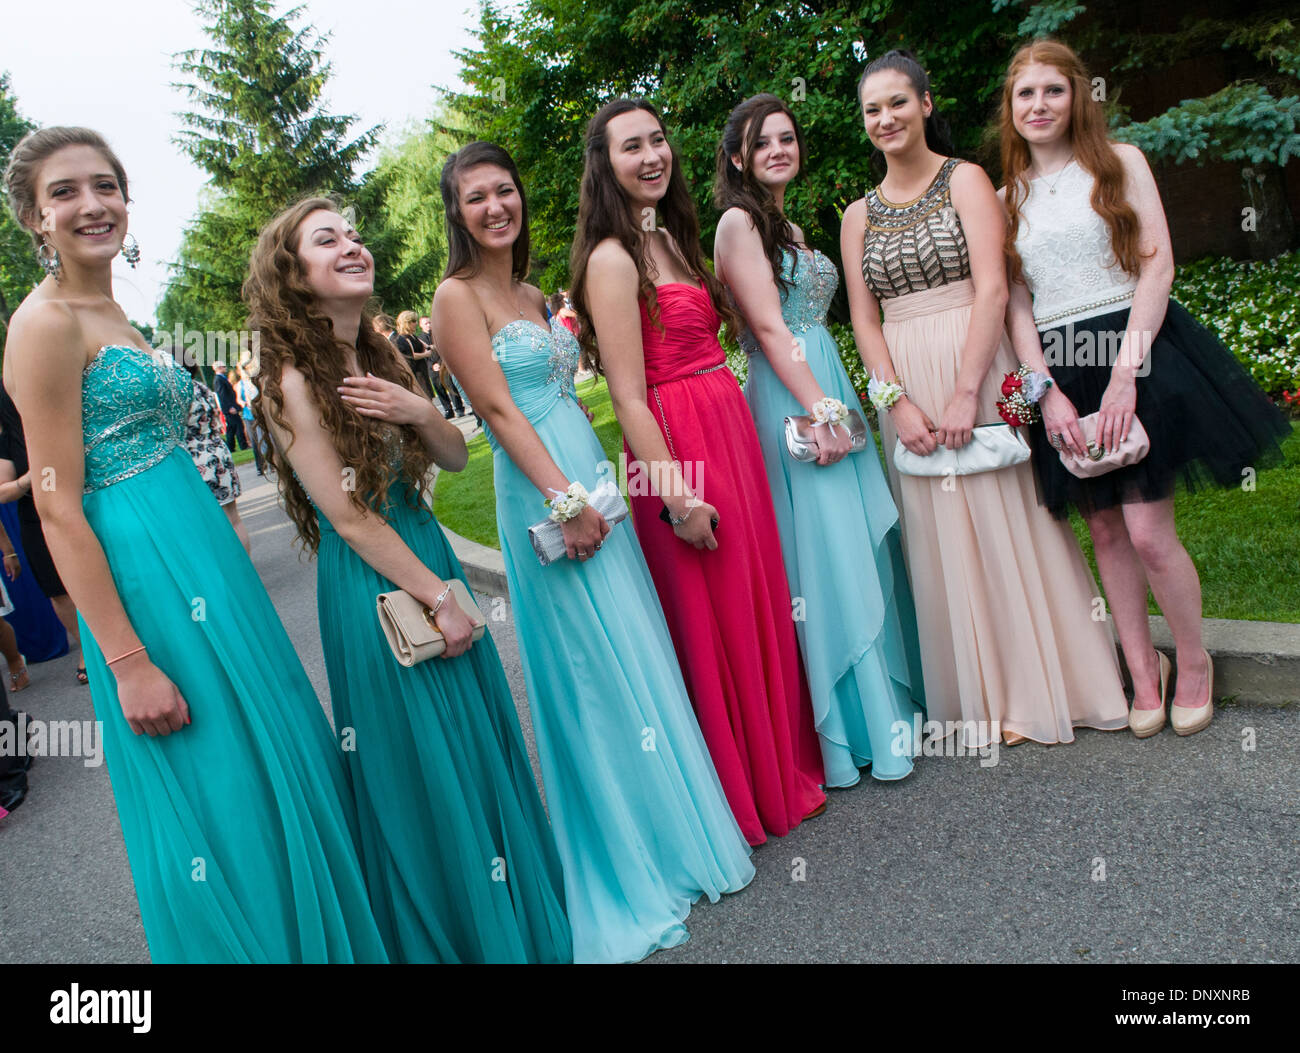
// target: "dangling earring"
[[48, 257], [131, 250]]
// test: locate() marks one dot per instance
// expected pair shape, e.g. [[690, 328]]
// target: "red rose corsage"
[[1021, 391]]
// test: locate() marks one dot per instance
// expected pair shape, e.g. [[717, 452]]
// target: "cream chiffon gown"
[[1013, 634]]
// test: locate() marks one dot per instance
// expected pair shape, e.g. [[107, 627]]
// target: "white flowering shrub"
[[1253, 307]]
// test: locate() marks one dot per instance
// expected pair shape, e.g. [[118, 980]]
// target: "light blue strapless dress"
[[639, 814], [843, 553], [457, 849], [240, 827]]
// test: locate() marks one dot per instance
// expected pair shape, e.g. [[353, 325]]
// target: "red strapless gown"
[[729, 611]]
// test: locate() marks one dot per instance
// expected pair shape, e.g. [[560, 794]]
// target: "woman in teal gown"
[[839, 526], [640, 817], [231, 791], [456, 847]]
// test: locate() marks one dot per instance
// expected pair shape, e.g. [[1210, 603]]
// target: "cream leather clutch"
[[409, 627]]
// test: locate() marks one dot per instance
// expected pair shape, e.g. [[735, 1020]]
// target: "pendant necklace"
[[1051, 187]]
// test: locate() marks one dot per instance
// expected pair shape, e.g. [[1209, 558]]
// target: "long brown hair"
[[1092, 149], [292, 331], [605, 212], [734, 188], [464, 257]]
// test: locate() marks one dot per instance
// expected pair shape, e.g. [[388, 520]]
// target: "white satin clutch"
[[547, 537], [992, 446]]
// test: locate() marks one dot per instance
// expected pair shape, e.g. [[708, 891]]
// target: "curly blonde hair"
[[292, 331]]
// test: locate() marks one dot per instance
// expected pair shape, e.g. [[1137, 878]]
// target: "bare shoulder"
[[609, 259], [45, 323], [610, 253], [735, 221], [1135, 163], [453, 294], [855, 215], [967, 175], [536, 297]]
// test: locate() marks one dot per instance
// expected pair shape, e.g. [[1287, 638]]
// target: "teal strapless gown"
[[643, 826], [240, 827], [457, 849], [843, 555]]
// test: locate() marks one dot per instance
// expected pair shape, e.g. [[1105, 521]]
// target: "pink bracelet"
[[127, 655]]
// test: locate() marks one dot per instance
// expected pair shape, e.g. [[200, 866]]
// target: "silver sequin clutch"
[[547, 537]]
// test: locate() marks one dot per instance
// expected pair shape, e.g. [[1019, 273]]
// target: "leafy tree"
[[399, 210], [539, 72], [19, 270], [262, 137]]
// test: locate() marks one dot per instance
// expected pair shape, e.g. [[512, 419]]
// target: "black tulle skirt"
[[1206, 418]]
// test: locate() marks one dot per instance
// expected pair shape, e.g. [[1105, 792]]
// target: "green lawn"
[[1244, 543], [465, 502]]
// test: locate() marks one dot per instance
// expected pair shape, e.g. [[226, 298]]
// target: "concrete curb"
[[1255, 663], [485, 568]]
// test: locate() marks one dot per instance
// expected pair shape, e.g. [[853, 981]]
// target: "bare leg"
[[66, 611], [9, 648], [232, 513], [1125, 581], [1177, 589]]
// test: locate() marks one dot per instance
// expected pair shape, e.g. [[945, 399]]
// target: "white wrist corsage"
[[882, 393], [568, 505], [829, 411]]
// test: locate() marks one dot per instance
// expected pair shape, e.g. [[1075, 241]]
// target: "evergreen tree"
[[262, 137]]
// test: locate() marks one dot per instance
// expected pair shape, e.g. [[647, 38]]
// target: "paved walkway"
[[1109, 849]]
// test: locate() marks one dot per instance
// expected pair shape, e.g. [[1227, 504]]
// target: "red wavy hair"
[[1091, 143]]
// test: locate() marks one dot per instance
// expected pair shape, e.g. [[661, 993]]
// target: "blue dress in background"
[[240, 827], [640, 817], [456, 847], [843, 555]]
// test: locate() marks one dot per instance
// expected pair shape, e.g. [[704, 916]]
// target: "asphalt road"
[[1109, 849]]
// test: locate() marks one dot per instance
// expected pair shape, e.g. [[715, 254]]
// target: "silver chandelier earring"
[[131, 250], [48, 257]]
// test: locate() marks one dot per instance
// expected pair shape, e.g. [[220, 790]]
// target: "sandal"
[[82, 678], [20, 679]]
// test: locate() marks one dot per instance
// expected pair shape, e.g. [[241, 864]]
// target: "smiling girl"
[[233, 798], [839, 526], [458, 853], [1092, 267], [1004, 598], [641, 821], [650, 313]]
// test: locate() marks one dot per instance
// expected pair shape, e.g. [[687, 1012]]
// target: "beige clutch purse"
[[408, 623], [1101, 460]]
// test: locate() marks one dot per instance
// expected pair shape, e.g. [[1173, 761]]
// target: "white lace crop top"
[[1066, 251]]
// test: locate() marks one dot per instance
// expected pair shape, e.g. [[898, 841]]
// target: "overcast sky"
[[108, 66]]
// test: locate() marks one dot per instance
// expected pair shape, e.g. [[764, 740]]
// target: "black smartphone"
[[663, 514]]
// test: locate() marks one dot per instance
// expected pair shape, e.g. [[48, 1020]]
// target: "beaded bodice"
[[538, 365], [805, 303], [134, 408], [915, 246], [1065, 247]]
